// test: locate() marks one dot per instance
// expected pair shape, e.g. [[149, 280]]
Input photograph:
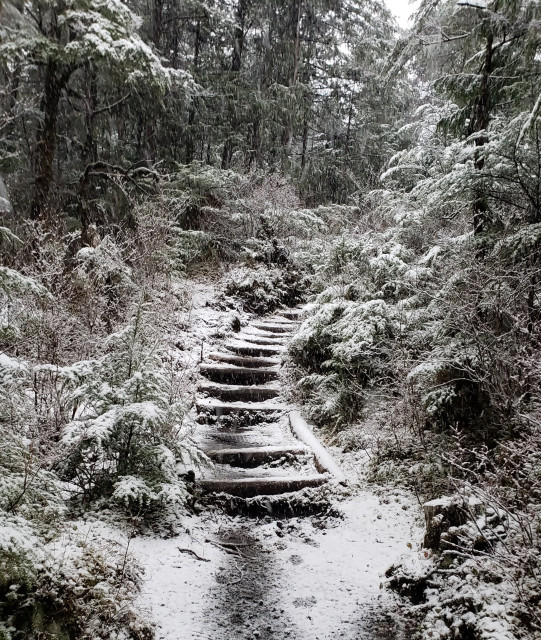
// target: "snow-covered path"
[[301, 578], [308, 578]]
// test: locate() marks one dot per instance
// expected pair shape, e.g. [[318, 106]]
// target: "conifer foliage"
[[311, 151]]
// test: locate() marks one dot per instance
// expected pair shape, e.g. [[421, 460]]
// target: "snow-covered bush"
[[262, 289], [227, 215], [103, 269], [128, 433], [66, 585], [343, 347], [482, 579]]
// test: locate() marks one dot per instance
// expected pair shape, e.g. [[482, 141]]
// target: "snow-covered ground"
[[308, 578]]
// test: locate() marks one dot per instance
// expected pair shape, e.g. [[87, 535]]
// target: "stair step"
[[256, 339], [247, 349], [224, 408], [244, 362], [239, 393], [253, 456], [237, 375], [275, 327], [278, 317], [290, 314], [254, 331], [250, 487], [233, 440]]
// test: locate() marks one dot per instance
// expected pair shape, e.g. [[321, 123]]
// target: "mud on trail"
[[302, 577]]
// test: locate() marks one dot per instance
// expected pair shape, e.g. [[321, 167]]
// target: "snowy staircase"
[[259, 446]]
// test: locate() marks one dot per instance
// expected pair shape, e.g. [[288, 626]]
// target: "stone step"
[[231, 374], [239, 393], [248, 362], [226, 408], [250, 487], [258, 351], [254, 456]]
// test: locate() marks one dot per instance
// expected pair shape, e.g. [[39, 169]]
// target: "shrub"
[[128, 433], [264, 289]]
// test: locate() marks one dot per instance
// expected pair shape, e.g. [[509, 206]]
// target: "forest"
[[174, 172]]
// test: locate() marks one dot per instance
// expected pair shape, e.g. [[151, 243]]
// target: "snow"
[[318, 580], [13, 280], [16, 536], [7, 362]]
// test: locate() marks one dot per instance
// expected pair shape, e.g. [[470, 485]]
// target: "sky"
[[402, 10]]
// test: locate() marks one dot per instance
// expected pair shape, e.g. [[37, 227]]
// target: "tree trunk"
[[89, 153], [236, 65], [157, 23], [46, 140], [304, 140], [293, 49], [480, 122], [189, 144]]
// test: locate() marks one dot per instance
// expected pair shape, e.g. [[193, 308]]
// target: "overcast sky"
[[402, 10]]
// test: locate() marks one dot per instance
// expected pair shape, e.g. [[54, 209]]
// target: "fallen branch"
[[193, 553]]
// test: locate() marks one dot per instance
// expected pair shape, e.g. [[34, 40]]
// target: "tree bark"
[[46, 140], [480, 122], [294, 35], [236, 65], [89, 153], [189, 145], [157, 23]]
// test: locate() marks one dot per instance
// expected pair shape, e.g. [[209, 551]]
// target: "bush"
[[128, 434], [264, 289], [68, 587]]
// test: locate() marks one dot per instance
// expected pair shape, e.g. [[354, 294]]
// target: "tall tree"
[[68, 36]]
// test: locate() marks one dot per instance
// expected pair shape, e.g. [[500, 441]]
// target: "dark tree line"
[[97, 95]]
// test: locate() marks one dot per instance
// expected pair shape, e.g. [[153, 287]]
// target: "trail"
[[303, 578], [317, 577]]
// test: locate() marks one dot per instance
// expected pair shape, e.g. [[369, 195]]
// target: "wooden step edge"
[[261, 372], [273, 321], [228, 407], [255, 455], [251, 349], [276, 329], [246, 361], [263, 347], [247, 348], [290, 314], [239, 392], [262, 333], [251, 487], [324, 461], [260, 340], [276, 321]]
